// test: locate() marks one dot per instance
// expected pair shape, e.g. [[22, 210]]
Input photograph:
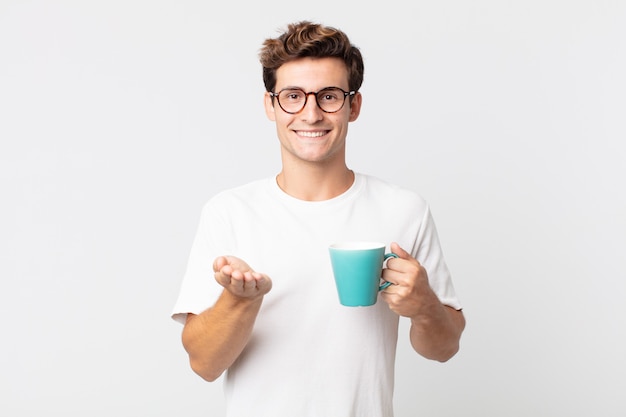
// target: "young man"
[[270, 316]]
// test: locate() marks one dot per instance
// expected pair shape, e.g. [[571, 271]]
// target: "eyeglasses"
[[330, 99]]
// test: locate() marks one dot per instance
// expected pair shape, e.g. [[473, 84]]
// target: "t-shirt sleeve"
[[199, 290], [429, 253]]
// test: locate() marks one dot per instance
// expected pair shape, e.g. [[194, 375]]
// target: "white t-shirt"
[[308, 355]]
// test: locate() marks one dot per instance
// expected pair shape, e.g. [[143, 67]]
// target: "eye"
[[291, 95], [329, 96]]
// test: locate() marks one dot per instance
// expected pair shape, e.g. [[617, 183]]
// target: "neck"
[[315, 183]]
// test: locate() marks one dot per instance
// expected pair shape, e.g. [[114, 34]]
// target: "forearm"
[[436, 333], [215, 338]]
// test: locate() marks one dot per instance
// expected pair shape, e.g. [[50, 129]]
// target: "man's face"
[[312, 135]]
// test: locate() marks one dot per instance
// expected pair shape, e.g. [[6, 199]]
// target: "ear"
[[355, 107], [269, 107]]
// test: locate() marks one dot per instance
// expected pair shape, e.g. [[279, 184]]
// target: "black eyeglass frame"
[[315, 93]]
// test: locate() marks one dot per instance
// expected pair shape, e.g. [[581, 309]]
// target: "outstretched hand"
[[239, 279]]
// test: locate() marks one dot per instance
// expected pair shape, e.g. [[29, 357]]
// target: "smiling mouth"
[[308, 134]]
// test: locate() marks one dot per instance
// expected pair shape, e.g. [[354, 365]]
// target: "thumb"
[[395, 248]]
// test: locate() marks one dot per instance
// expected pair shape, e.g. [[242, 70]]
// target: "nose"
[[311, 111]]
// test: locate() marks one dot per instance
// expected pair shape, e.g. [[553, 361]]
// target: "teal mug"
[[357, 267]]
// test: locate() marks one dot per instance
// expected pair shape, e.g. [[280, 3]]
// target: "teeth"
[[311, 134]]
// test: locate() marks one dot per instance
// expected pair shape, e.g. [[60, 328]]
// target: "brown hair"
[[306, 39]]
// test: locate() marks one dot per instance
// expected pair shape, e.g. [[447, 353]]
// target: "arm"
[[435, 328], [216, 337], [436, 334]]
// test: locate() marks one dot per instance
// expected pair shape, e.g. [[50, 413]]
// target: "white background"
[[118, 119]]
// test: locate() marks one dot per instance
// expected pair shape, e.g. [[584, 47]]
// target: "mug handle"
[[387, 283]]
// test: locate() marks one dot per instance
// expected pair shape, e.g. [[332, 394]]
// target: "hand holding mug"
[[411, 291]]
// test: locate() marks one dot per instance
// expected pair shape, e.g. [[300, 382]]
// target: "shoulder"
[[238, 197], [383, 190]]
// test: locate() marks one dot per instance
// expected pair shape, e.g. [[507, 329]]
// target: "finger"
[[249, 282], [223, 275], [227, 277], [263, 283], [237, 263], [397, 249], [387, 296], [388, 276], [405, 261], [388, 289], [237, 280], [219, 263], [259, 278], [222, 279], [236, 275]]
